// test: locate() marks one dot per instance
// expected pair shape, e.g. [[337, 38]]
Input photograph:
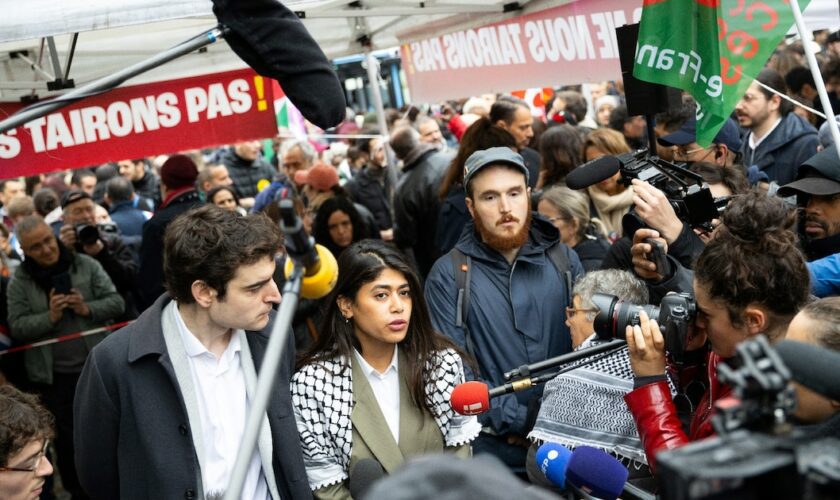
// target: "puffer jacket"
[[516, 314], [656, 416]]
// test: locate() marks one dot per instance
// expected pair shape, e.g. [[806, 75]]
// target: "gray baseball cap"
[[493, 156]]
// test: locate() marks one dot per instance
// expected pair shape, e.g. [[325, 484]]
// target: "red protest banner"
[[570, 44], [141, 120]]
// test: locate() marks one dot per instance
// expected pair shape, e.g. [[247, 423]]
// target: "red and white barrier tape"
[[65, 338]]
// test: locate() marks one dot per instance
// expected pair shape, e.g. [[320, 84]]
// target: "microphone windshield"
[[274, 42], [596, 472], [813, 366], [593, 172], [553, 459], [318, 284], [470, 398], [363, 476]]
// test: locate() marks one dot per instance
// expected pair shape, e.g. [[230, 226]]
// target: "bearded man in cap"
[[817, 191], [500, 293], [179, 194]]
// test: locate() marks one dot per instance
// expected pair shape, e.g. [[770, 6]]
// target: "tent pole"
[[107, 83], [376, 94], [815, 71]]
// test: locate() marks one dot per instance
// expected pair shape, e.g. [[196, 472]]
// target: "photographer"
[[104, 243], [655, 210], [750, 279]]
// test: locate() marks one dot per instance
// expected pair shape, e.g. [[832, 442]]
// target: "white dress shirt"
[[223, 406], [386, 389]]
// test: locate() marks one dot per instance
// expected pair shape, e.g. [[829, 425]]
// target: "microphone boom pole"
[[265, 381], [109, 82], [526, 370]]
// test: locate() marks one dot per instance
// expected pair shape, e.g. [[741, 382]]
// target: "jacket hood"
[[417, 154], [791, 128], [541, 236]]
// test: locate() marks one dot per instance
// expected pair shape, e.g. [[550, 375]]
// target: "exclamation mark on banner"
[[259, 85]]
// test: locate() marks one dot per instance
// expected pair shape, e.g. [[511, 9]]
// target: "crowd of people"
[[462, 255]]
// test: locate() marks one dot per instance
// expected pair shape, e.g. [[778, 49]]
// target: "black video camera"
[[688, 194], [756, 453], [675, 314]]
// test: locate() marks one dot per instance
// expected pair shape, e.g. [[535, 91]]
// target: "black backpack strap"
[[462, 268], [564, 267]]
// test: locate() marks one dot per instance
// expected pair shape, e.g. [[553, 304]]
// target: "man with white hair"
[[297, 155]]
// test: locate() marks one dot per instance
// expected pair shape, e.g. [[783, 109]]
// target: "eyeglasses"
[[680, 152], [555, 219], [570, 311], [37, 461]]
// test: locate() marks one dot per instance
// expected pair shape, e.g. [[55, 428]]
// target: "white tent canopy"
[[113, 34]]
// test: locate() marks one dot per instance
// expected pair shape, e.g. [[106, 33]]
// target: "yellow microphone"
[[320, 279], [320, 266]]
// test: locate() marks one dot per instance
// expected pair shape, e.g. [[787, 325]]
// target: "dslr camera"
[[88, 234], [675, 314]]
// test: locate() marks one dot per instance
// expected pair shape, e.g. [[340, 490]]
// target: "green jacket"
[[29, 312]]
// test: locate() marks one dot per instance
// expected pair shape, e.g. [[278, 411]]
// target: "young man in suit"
[[162, 404]]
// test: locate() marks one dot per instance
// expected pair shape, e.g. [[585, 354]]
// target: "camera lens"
[[614, 315], [87, 234]]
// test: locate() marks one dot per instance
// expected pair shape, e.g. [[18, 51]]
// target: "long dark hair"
[[480, 135], [560, 153], [321, 228], [362, 263]]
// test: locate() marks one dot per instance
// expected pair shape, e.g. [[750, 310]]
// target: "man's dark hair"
[[363, 144], [798, 77], [731, 177], [22, 420], [618, 117], [505, 108], [754, 259], [119, 189], [45, 201], [404, 140], [675, 118], [209, 244], [771, 78], [78, 175], [575, 103]]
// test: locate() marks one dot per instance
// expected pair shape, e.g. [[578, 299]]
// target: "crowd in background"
[[84, 248]]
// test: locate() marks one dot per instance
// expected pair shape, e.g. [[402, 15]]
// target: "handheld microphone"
[[813, 366], [593, 172], [473, 398], [553, 460], [596, 473], [273, 41], [363, 476], [320, 266]]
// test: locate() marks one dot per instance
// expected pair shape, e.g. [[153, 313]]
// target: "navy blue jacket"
[[781, 153], [516, 315]]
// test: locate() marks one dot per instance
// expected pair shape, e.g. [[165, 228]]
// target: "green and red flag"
[[712, 49]]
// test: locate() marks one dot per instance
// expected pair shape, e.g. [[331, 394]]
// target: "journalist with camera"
[[750, 279], [102, 242]]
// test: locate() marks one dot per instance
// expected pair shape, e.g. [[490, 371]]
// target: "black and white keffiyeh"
[[585, 406], [322, 395]]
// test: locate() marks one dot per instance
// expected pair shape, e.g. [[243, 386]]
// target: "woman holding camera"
[[750, 280], [376, 383]]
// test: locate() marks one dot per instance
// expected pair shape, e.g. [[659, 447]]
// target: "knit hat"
[[178, 171]]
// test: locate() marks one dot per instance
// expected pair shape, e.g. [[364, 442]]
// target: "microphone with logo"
[[587, 473]]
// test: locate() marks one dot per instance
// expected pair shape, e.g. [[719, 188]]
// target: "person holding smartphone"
[[54, 292]]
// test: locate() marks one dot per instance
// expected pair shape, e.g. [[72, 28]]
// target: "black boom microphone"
[[593, 172], [815, 367], [274, 42]]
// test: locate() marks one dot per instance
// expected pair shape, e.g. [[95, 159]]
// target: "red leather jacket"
[[656, 416]]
